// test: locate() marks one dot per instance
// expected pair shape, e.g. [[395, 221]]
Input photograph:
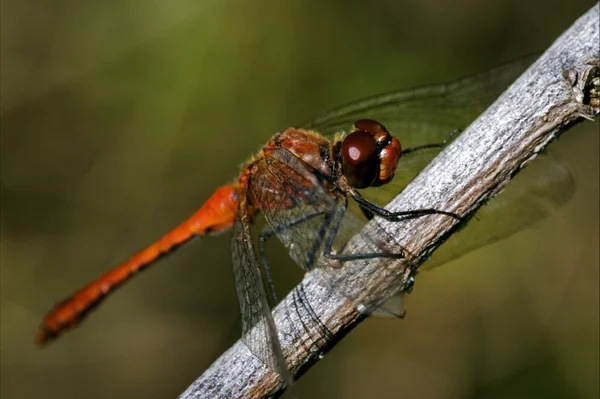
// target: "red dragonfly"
[[301, 182]]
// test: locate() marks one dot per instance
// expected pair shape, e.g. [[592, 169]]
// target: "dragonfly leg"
[[434, 145], [375, 209], [321, 234], [268, 233]]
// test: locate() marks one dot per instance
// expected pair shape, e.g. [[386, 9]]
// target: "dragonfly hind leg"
[[328, 251], [393, 306]]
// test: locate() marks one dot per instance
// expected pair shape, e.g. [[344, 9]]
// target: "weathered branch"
[[552, 95]]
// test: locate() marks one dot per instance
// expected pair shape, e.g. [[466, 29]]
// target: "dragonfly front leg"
[[375, 209], [412, 150]]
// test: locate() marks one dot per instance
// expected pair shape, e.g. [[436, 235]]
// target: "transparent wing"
[[424, 115], [258, 327]]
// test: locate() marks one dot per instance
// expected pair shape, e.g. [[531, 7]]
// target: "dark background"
[[119, 118]]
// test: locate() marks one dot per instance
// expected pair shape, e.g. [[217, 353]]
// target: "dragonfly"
[[318, 184]]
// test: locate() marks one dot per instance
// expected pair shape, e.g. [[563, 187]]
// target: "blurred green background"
[[120, 118]]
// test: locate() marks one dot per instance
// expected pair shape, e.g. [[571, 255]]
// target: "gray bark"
[[550, 96]]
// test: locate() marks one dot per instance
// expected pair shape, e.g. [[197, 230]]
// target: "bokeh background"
[[119, 118]]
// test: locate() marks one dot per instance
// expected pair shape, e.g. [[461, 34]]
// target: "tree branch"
[[548, 98]]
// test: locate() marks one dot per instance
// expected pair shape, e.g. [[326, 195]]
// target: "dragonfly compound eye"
[[370, 154], [360, 161]]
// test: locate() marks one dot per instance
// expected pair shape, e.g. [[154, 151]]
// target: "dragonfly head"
[[369, 154]]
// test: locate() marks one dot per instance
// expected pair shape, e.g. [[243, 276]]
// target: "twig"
[[548, 98]]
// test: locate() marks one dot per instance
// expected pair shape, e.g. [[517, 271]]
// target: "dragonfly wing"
[[427, 114], [258, 328], [534, 194]]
